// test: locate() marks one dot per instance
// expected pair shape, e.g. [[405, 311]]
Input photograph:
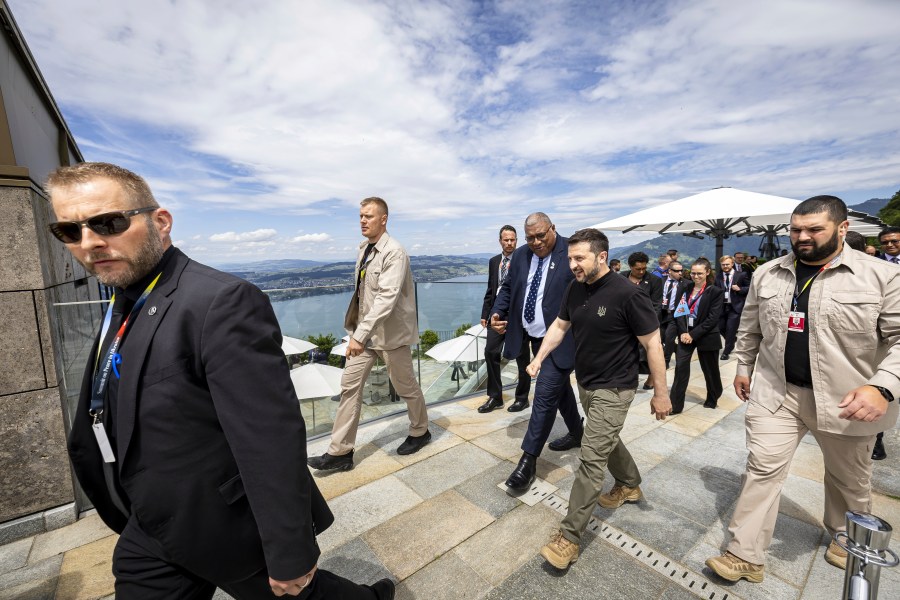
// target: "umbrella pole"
[[720, 249]]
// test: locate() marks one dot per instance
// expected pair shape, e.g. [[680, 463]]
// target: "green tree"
[[325, 342], [890, 214], [461, 330], [427, 340]]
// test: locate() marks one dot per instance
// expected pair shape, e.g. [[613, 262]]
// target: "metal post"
[[866, 542]]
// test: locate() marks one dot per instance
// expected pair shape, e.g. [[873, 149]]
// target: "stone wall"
[[43, 347]]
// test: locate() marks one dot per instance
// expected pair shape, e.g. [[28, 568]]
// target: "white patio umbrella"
[[315, 380], [725, 212], [477, 330], [462, 348], [341, 349], [291, 345]]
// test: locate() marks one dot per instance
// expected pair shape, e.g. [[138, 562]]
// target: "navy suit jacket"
[[740, 279], [210, 444], [493, 283], [511, 300]]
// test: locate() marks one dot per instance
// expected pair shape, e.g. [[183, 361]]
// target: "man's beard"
[[817, 253], [148, 256]]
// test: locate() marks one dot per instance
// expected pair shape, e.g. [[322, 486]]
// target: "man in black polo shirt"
[[610, 318]]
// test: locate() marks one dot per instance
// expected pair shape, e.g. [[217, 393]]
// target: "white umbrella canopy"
[[462, 348], [477, 330], [341, 349], [315, 380], [724, 212], [291, 345]]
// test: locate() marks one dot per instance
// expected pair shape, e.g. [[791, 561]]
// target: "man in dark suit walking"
[[498, 269], [650, 285], [734, 285], [527, 304], [667, 327], [188, 437]]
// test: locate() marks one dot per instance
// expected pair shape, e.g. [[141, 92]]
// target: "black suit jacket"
[[493, 285], [511, 300], [652, 286], [210, 444], [705, 331], [738, 278]]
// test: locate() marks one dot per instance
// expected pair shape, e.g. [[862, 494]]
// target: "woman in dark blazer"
[[700, 306]]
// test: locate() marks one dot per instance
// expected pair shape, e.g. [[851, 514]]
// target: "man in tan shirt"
[[822, 327], [381, 321]]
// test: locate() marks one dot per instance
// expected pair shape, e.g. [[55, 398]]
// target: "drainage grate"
[[538, 492], [665, 566]]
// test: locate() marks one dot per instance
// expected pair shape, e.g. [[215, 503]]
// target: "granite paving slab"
[[660, 440], [498, 550], [687, 424], [886, 473], [793, 548], [14, 556], [803, 499], [447, 578], [368, 506], [826, 581], [86, 572], [447, 469], [472, 424], [656, 526], [355, 561], [441, 440], [370, 463], [601, 572], [481, 490], [411, 540], [503, 443], [808, 462], [84, 531], [706, 453], [702, 496], [33, 581]]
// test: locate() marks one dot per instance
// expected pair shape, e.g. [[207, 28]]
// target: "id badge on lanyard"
[[103, 370]]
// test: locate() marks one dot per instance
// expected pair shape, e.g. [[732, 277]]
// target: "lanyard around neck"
[[103, 369], [798, 291]]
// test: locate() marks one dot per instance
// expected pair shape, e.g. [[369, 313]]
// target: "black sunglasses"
[[111, 223]]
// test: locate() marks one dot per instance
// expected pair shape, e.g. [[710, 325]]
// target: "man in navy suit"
[[498, 269], [188, 437], [527, 304], [735, 285]]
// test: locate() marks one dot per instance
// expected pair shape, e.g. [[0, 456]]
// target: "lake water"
[[443, 306]]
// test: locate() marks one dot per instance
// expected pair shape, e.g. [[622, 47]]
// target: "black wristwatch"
[[884, 392]]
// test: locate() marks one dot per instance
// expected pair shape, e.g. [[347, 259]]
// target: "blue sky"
[[262, 124]]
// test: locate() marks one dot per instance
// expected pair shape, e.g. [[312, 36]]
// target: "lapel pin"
[[152, 311], [552, 264]]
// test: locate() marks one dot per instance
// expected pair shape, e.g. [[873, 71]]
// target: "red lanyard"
[[692, 305]]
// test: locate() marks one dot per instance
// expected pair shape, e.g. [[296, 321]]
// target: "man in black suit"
[[498, 269], [734, 285], [188, 437], [667, 308], [650, 285], [527, 304]]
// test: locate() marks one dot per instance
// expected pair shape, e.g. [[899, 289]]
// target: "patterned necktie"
[[531, 300], [728, 281], [504, 269]]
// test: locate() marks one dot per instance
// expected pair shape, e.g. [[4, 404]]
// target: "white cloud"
[[249, 236], [456, 112], [312, 237]]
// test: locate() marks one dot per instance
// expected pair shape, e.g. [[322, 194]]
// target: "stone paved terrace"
[[438, 524]]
